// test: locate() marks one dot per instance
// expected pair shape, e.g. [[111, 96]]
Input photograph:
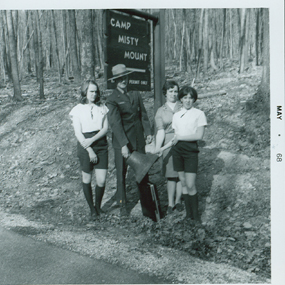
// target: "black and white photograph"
[[141, 142]]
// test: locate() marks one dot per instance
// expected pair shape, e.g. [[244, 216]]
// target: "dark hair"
[[84, 88], [169, 84], [188, 90]]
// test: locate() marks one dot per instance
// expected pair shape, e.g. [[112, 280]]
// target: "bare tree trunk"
[[263, 92], [99, 37], [193, 36], [261, 40], [188, 50], [18, 36], [211, 40], [257, 37], [65, 66], [242, 46], [266, 59], [231, 35], [27, 53], [40, 54], [73, 45], [205, 42], [7, 48], [50, 58], [36, 45], [95, 17], [3, 48], [175, 31], [87, 62], [246, 37], [181, 57], [167, 36], [13, 57], [56, 46], [200, 42], [223, 37]]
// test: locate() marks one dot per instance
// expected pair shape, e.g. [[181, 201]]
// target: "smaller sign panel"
[[127, 41]]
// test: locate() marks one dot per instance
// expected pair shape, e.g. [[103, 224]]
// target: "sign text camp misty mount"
[[127, 41]]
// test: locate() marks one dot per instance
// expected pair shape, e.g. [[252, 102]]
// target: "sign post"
[[127, 41], [159, 58]]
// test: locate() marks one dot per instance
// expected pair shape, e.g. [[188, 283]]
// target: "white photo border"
[[276, 10]]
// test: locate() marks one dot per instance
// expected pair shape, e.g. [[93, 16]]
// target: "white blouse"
[[91, 117], [185, 122]]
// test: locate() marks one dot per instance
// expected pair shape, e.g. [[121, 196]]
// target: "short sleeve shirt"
[[185, 122], [91, 117], [163, 117]]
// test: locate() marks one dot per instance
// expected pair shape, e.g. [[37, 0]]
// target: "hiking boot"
[[169, 210], [179, 207], [123, 211]]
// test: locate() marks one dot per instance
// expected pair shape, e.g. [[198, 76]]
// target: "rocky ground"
[[40, 193]]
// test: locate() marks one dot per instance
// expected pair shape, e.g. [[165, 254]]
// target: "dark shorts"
[[185, 157], [100, 147]]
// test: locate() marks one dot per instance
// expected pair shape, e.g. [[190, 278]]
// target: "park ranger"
[[131, 128]]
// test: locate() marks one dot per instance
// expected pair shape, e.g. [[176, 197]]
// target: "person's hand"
[[86, 143], [158, 152], [92, 155], [125, 151], [149, 139]]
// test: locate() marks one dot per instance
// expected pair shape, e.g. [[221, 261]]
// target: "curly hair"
[[84, 88], [169, 84], [185, 90]]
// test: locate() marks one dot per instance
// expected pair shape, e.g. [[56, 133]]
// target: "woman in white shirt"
[[189, 125], [90, 126]]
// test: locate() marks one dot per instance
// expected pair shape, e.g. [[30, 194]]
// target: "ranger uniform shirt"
[[128, 119]]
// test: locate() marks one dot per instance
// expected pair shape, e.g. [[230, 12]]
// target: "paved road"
[[26, 261]]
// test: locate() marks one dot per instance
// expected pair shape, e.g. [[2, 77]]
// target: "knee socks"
[[99, 192], [191, 206], [193, 200], [186, 198], [87, 190]]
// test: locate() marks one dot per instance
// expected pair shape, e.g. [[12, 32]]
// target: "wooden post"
[[159, 58]]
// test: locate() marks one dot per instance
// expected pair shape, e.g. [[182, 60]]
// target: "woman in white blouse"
[[90, 126], [189, 125]]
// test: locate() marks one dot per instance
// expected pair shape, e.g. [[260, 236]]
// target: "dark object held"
[[149, 201], [141, 163]]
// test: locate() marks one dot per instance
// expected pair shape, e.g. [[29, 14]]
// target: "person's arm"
[[87, 142], [145, 120], [193, 137], [168, 145], [80, 137], [115, 122], [160, 136], [77, 129]]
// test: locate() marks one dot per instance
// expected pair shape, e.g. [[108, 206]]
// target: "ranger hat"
[[119, 70]]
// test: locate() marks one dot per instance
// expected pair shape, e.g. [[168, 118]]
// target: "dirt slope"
[[40, 193]]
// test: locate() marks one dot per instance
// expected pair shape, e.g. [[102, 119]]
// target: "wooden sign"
[[127, 41]]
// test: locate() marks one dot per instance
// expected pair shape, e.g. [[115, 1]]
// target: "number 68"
[[279, 157]]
